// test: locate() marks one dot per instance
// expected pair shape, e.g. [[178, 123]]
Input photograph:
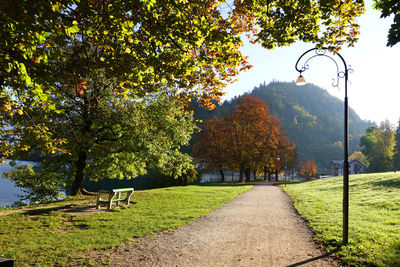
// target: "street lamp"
[[340, 74]]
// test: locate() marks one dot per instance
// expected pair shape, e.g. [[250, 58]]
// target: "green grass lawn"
[[374, 216], [45, 237]]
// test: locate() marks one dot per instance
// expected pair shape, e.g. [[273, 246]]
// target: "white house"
[[355, 167]]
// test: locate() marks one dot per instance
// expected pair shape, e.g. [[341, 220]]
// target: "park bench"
[[105, 197]]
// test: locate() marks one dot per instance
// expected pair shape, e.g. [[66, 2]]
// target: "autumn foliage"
[[248, 140], [308, 169]]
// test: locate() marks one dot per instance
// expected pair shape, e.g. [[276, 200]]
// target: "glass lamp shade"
[[300, 80]]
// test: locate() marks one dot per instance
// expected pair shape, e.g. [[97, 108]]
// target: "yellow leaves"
[[82, 80], [128, 50], [6, 107], [25, 148]]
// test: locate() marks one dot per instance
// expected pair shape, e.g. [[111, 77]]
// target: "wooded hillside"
[[312, 117]]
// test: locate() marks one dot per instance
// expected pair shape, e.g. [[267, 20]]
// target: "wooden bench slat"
[[120, 190]]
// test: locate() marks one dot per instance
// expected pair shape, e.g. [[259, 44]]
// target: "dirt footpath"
[[258, 228]]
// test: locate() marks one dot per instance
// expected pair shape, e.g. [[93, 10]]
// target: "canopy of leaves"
[[142, 47], [358, 155], [388, 8], [111, 140], [378, 145], [247, 139]]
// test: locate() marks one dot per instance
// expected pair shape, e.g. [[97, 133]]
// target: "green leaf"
[[73, 29]]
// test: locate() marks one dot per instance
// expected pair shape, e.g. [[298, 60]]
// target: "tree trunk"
[[269, 177], [222, 175], [255, 176], [265, 174], [247, 174], [80, 173], [241, 176], [276, 176]]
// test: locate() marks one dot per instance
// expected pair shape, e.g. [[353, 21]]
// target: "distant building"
[[355, 167]]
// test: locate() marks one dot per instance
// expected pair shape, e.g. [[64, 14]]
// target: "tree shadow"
[[45, 211], [392, 183]]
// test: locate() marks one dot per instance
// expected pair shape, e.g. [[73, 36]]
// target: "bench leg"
[[98, 200], [119, 196], [128, 198], [110, 200]]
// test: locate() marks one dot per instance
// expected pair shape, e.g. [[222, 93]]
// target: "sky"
[[373, 88]]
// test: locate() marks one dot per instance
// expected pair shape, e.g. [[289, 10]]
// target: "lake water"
[[8, 191]]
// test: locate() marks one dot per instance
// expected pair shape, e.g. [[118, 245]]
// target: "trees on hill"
[[311, 117], [248, 139]]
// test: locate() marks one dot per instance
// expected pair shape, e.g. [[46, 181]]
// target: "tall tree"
[[144, 47], [250, 130], [117, 139], [368, 140], [246, 140], [378, 146], [210, 147]]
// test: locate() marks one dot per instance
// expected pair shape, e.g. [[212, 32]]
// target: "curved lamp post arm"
[[322, 52]]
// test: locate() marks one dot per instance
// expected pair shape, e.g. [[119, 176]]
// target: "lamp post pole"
[[340, 74]]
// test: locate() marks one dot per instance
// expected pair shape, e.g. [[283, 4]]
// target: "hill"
[[311, 116]]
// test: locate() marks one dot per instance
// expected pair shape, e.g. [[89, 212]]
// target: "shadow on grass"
[[392, 183], [45, 211]]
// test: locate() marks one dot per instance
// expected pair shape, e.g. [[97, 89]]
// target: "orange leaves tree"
[[210, 147], [243, 141], [308, 169]]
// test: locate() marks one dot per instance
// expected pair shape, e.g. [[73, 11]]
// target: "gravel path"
[[258, 228]]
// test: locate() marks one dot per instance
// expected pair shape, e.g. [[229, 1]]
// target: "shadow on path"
[[326, 255]]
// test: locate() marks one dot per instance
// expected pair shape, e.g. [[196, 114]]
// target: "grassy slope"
[[374, 216], [46, 237]]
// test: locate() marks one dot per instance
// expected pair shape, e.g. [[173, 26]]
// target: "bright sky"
[[373, 89]]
